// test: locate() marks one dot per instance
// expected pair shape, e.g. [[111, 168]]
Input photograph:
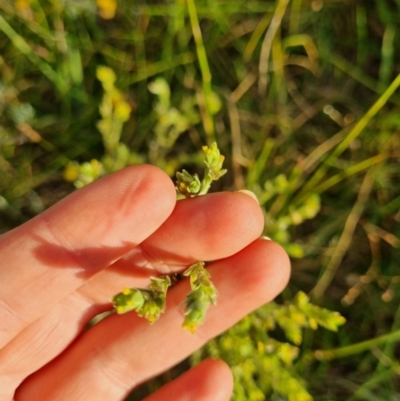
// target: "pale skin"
[[60, 269]]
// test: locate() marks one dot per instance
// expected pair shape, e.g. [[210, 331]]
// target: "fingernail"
[[266, 238], [249, 193]]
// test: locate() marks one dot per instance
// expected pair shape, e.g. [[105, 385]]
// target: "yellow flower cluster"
[[22, 4], [107, 8]]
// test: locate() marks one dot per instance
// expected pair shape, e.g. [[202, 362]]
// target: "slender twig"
[[345, 239], [20, 43], [204, 68], [267, 44], [234, 120], [350, 137], [354, 349]]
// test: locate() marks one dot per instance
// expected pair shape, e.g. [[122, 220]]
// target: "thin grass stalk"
[[351, 136], [364, 165], [345, 239], [208, 121], [267, 45], [20, 43], [354, 349]]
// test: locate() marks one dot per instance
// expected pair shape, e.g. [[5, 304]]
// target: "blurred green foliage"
[[262, 365], [302, 98]]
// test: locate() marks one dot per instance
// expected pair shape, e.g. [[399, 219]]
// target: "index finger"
[[49, 257]]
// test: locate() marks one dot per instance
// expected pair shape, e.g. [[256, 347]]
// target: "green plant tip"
[[150, 302], [203, 295]]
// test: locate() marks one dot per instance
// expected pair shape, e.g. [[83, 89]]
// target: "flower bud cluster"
[[187, 184], [203, 294], [214, 161], [190, 185], [148, 303]]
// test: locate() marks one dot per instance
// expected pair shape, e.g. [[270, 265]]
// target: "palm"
[[61, 269]]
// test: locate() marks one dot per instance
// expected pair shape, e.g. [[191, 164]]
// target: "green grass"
[[301, 96]]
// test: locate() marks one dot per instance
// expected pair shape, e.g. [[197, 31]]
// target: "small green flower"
[[214, 161], [196, 308], [203, 294], [190, 185], [148, 303], [187, 184]]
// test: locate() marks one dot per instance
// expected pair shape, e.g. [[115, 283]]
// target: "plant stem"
[[354, 349], [205, 184], [364, 165], [345, 239], [20, 44], [205, 70], [267, 45], [351, 136]]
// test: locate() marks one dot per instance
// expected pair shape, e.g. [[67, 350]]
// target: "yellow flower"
[[107, 8], [21, 4], [71, 172], [126, 291], [123, 111], [105, 74]]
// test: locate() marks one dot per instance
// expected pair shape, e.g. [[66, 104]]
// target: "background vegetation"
[[302, 98]]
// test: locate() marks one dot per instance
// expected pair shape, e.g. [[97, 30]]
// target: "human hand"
[[60, 269]]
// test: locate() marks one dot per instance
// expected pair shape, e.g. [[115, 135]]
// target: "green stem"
[[355, 72], [351, 136], [20, 43], [364, 165], [260, 162], [205, 184], [376, 380], [354, 349], [345, 238], [267, 44], [204, 68]]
